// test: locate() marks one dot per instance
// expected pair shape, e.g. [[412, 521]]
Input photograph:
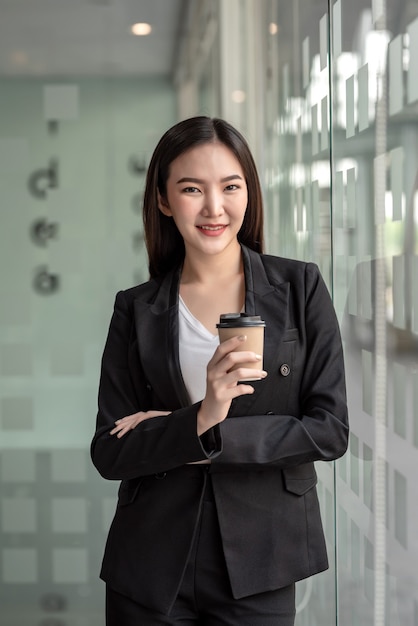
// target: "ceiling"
[[89, 37]]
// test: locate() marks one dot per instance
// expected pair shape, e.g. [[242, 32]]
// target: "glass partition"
[[341, 188], [374, 169], [73, 152], [298, 191]]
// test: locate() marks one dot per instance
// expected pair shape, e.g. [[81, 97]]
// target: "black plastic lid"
[[236, 320]]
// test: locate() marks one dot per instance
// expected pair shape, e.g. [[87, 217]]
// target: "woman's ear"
[[163, 205]]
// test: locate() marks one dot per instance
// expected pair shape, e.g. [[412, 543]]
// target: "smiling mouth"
[[213, 228]]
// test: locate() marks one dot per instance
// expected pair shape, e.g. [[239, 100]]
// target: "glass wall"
[[375, 164], [297, 182], [341, 150], [73, 152]]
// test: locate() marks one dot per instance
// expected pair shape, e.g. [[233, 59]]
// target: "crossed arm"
[[221, 388]]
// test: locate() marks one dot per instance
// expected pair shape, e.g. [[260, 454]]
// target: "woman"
[[217, 514]]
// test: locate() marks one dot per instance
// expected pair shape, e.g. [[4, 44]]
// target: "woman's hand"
[[129, 422], [222, 384]]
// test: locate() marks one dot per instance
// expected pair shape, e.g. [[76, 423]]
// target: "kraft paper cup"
[[252, 326]]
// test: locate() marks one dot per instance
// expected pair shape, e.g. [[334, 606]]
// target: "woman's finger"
[[243, 374], [120, 427], [129, 422], [231, 363], [225, 347]]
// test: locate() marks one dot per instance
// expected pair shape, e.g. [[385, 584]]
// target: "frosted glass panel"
[[396, 180], [367, 376], [414, 293], [17, 466], [306, 61], [400, 507], [19, 515], [363, 97], [71, 152], [315, 135], [378, 9], [19, 566], [372, 203], [412, 31], [350, 104], [325, 124], [396, 76], [298, 143], [336, 31], [69, 566], [16, 414], [323, 41], [15, 360], [351, 198], [399, 291], [379, 142], [69, 515], [399, 399], [61, 102]]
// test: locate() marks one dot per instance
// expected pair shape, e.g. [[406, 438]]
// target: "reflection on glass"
[[369, 177]]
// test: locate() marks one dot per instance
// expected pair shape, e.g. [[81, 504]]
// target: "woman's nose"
[[213, 204]]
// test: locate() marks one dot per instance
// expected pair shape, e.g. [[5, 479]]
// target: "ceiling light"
[[141, 28], [238, 96], [273, 28]]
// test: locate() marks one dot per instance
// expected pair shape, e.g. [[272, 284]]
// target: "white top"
[[196, 348]]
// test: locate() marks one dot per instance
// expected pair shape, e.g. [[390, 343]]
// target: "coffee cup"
[[252, 326]]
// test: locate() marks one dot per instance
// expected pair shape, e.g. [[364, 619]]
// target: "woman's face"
[[207, 198]]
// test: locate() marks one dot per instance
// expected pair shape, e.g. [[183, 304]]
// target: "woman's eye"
[[231, 187], [190, 190]]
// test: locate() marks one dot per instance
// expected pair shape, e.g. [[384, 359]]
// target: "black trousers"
[[205, 597]]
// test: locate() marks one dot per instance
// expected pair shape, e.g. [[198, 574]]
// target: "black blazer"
[[262, 455]]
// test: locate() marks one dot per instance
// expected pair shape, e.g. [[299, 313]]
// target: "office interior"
[[326, 92]]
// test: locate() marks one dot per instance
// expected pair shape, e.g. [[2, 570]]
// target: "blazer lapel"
[[270, 301], [157, 331]]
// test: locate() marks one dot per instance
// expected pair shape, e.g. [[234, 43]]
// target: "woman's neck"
[[212, 269], [213, 285]]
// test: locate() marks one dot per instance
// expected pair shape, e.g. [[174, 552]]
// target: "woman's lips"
[[212, 230]]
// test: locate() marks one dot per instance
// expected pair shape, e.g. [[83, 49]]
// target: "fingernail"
[[242, 337], [258, 357], [263, 374]]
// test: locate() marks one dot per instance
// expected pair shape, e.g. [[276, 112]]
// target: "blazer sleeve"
[[317, 428], [155, 445]]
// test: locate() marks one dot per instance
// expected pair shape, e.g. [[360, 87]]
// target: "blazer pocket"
[[300, 479], [128, 491], [292, 334]]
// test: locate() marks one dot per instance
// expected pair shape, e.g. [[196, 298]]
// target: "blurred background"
[[327, 95]]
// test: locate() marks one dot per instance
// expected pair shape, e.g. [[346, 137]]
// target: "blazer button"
[[285, 369]]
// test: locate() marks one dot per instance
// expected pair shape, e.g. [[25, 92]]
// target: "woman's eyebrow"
[[232, 177], [188, 179]]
